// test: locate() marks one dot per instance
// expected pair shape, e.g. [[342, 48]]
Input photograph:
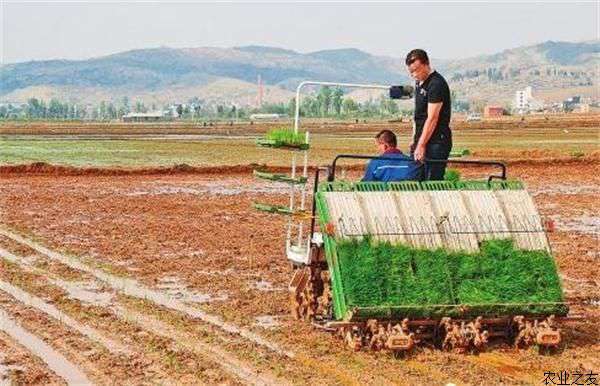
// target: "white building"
[[522, 98], [525, 102], [264, 116], [151, 116]]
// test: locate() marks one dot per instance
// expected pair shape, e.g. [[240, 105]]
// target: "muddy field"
[[173, 278], [112, 145]]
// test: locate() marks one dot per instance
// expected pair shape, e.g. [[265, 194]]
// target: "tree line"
[[327, 102]]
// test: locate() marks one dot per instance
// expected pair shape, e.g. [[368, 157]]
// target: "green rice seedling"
[[285, 137], [452, 175], [497, 280]]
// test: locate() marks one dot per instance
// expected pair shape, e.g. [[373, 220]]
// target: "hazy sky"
[[77, 30]]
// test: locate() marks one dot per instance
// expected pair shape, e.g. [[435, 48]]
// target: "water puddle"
[[580, 224], [224, 272], [268, 322], [55, 361], [214, 188], [173, 286], [594, 254], [593, 302], [266, 286], [86, 292], [566, 189]]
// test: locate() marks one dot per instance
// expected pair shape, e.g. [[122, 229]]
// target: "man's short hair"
[[387, 137], [417, 54]]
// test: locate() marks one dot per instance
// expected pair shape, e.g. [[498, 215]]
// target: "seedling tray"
[[375, 279]]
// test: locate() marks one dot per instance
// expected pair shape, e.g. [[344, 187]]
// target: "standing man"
[[432, 138]]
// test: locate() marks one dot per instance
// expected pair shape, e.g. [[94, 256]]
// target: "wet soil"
[[198, 235]]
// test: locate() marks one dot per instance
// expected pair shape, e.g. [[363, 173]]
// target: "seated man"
[[402, 169]]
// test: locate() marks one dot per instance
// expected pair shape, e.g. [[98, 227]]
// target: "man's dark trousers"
[[436, 151]]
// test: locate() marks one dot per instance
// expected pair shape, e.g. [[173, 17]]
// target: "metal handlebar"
[[502, 166]]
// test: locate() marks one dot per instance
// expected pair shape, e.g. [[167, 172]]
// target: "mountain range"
[[229, 75]]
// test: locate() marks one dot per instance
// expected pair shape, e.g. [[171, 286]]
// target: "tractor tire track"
[[243, 372], [133, 288], [37, 303], [60, 365], [232, 365]]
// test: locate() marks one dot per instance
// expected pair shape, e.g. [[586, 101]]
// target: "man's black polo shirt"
[[433, 90]]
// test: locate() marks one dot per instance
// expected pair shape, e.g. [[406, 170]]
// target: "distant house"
[[493, 111], [571, 103], [258, 117], [153, 116], [473, 117]]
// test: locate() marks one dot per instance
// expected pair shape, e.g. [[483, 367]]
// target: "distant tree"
[[369, 108], [102, 111], [349, 106], [111, 111], [324, 100], [291, 107], [309, 107], [478, 106], [55, 109], [140, 108], [35, 109], [337, 100], [387, 106]]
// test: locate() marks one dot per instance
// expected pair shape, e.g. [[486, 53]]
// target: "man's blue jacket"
[[403, 169]]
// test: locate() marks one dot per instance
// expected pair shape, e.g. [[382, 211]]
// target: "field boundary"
[[43, 168]]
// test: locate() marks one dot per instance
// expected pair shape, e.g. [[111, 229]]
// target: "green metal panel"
[[405, 186], [438, 185]]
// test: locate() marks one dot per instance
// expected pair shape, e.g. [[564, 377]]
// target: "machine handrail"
[[501, 165]]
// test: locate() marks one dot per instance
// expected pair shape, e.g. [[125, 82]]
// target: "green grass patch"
[[384, 280]]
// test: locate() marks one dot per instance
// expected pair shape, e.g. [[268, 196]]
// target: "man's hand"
[[420, 153], [411, 147]]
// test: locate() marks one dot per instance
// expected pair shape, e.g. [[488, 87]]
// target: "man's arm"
[[370, 172], [433, 114], [413, 145]]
